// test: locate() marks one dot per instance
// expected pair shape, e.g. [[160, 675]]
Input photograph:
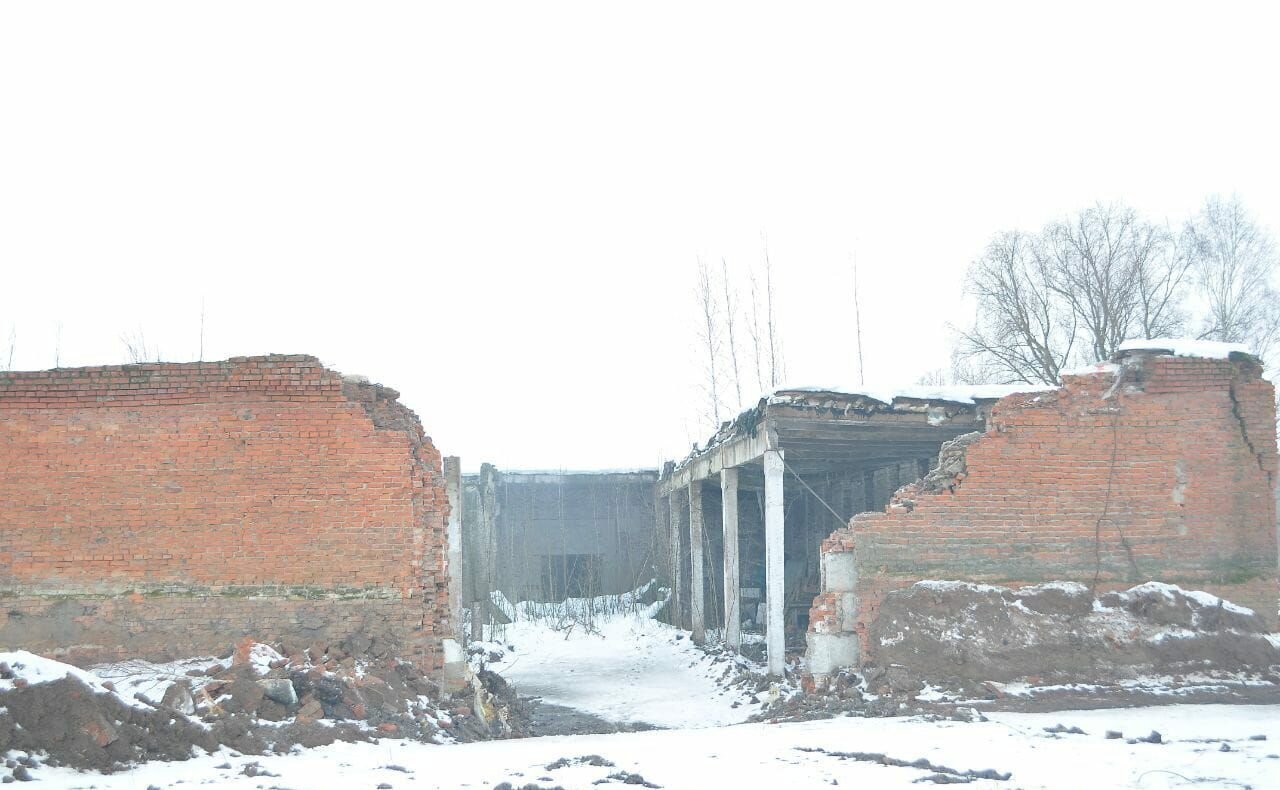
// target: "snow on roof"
[[1093, 370], [955, 393], [1186, 347]]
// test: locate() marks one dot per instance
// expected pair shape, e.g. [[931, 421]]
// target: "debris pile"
[[957, 633], [942, 648], [258, 700]]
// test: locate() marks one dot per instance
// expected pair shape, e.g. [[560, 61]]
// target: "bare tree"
[[771, 324], [1235, 267], [1072, 293], [1163, 272], [1022, 334], [57, 345], [757, 350], [709, 339], [1117, 273], [730, 322], [727, 364]]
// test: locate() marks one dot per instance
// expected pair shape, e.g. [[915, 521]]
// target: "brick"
[[1182, 459], [210, 501]]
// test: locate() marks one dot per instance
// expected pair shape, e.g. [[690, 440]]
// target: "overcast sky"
[[497, 208]]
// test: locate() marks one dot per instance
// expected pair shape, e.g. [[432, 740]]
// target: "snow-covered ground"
[[769, 756], [629, 670]]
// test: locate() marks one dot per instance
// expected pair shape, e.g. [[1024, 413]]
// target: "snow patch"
[[951, 586], [887, 394], [152, 680], [1096, 369], [1167, 591], [1187, 347], [1071, 588], [36, 670]]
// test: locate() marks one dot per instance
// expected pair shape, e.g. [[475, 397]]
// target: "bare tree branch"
[[730, 321], [709, 339], [1021, 333], [1235, 269]]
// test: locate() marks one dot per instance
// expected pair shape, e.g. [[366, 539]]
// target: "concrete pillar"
[[486, 546], [697, 586], [662, 534], [732, 587], [774, 563], [453, 532], [677, 588], [455, 671]]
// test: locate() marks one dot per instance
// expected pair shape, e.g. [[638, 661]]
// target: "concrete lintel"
[[735, 452]]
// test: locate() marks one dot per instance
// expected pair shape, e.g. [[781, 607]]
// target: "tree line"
[[738, 342], [1072, 292]]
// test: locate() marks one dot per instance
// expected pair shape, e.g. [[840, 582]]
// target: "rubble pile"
[[958, 634], [261, 699], [941, 648]]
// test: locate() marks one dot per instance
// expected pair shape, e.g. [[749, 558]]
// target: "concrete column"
[[454, 674], [732, 587], [662, 533], [486, 546], [697, 586], [677, 589], [774, 565], [453, 532]]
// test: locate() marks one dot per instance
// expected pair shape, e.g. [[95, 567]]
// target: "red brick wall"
[[1169, 476], [170, 509]]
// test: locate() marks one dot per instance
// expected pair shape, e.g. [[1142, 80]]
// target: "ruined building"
[[551, 535], [167, 510], [1153, 467]]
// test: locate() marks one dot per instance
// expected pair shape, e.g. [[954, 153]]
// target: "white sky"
[[496, 208]]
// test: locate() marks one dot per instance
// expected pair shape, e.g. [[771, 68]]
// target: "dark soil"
[[547, 719], [964, 633], [74, 726], [71, 724]]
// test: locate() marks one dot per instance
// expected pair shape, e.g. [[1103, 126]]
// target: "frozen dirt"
[[1199, 746]]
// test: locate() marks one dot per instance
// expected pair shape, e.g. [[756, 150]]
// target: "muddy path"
[[547, 719]]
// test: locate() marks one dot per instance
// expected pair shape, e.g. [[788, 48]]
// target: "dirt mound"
[[950, 632], [255, 701], [79, 727]]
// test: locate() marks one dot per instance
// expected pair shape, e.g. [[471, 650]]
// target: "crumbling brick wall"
[[164, 510], [1159, 468]]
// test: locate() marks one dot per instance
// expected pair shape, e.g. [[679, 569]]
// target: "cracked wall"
[[167, 510], [1159, 468]]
